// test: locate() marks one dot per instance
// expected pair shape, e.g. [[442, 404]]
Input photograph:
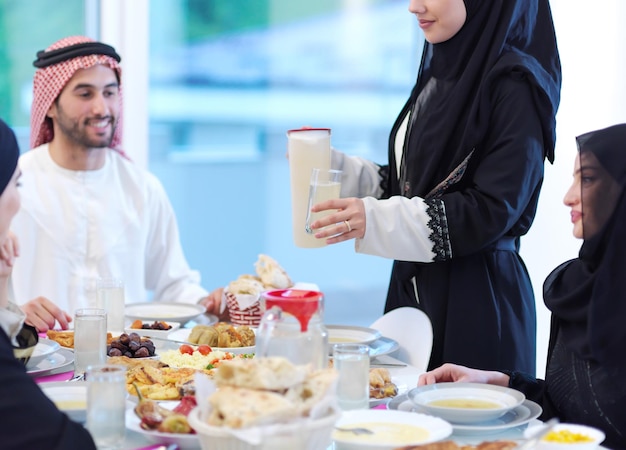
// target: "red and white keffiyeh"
[[49, 82]]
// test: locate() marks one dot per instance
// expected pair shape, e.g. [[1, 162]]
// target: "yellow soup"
[[71, 404], [384, 433], [337, 340], [468, 403]]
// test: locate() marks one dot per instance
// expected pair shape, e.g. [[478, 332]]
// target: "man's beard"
[[77, 132]]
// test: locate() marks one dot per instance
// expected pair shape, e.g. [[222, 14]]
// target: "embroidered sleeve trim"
[[454, 177], [439, 233], [383, 173]]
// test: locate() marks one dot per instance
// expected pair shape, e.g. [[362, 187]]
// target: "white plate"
[[184, 441], [148, 332], [150, 311], [339, 334], [379, 419], [183, 335], [466, 398], [521, 415], [62, 358], [43, 349], [383, 346], [71, 398]]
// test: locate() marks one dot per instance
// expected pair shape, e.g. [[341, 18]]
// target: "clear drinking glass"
[[110, 297], [324, 185], [90, 338], [352, 361], [106, 405]]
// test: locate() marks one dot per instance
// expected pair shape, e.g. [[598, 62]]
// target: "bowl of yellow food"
[[568, 436], [465, 403], [381, 429]]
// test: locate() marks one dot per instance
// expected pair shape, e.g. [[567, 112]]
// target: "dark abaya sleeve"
[[29, 419]]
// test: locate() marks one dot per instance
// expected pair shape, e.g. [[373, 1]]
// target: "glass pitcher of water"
[[292, 327]]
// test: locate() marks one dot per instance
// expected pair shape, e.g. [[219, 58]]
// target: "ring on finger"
[[348, 226]]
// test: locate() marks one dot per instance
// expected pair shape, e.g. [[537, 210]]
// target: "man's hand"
[[43, 314], [215, 303], [9, 250]]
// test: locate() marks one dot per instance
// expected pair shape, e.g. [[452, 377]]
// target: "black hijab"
[[9, 153], [587, 295], [499, 37]]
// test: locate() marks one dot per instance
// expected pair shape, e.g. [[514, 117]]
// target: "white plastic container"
[[308, 149]]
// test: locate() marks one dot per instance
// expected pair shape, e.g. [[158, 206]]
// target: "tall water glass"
[[106, 405], [352, 361], [110, 297], [324, 185], [90, 338]]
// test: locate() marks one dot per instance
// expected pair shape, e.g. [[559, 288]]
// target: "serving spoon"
[[358, 430]]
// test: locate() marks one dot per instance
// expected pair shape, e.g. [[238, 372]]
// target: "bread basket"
[[312, 434]]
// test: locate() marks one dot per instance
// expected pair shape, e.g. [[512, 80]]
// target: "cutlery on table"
[[77, 377], [357, 430], [380, 364], [534, 439]]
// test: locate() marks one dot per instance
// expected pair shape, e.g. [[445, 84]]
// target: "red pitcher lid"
[[300, 303]]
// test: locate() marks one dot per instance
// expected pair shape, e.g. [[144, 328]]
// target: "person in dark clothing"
[[586, 368], [30, 420], [466, 165]]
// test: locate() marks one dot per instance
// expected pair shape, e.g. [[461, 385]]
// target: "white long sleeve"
[[396, 228], [77, 226]]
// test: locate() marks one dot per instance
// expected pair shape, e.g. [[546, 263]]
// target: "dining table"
[[403, 375]]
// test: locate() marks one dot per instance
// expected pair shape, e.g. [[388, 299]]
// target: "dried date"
[[131, 345]]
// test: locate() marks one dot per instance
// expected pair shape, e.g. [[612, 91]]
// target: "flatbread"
[[271, 374], [240, 407]]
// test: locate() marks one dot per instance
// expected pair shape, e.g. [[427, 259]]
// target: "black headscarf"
[[587, 295], [499, 37], [9, 153]]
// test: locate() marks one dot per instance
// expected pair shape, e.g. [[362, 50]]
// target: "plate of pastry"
[[221, 337]]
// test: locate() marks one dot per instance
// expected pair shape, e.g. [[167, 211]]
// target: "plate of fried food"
[[221, 336], [383, 387], [65, 338], [164, 423], [171, 377]]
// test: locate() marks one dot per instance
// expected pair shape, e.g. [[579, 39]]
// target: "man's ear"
[[52, 111]]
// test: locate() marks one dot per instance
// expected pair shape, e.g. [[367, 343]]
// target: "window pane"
[[22, 34], [227, 79]]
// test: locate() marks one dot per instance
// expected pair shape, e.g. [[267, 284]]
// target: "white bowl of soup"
[[389, 429], [466, 403]]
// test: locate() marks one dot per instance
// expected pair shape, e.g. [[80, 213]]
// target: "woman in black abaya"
[[586, 368], [466, 158]]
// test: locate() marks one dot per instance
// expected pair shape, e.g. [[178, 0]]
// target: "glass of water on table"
[[90, 338], [106, 405], [110, 297], [352, 361]]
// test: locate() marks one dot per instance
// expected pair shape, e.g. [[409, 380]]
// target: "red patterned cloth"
[[250, 316], [50, 81]]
